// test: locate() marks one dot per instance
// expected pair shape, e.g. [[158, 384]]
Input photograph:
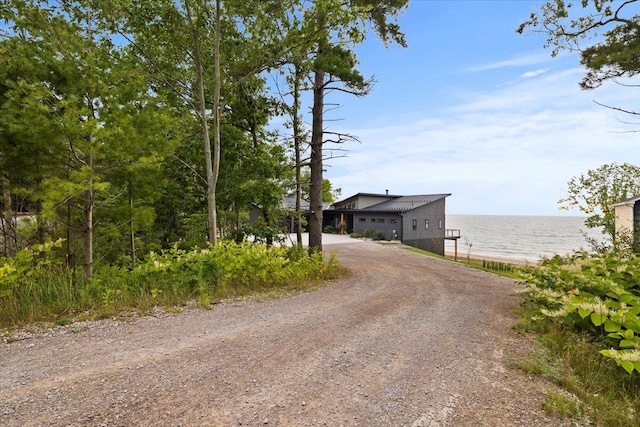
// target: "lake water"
[[519, 237]]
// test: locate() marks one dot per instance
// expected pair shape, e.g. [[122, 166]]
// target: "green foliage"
[[597, 190], [106, 107], [329, 194], [19, 272], [602, 393], [355, 235], [612, 24], [330, 229], [258, 232], [498, 266], [595, 294], [33, 288], [563, 405]]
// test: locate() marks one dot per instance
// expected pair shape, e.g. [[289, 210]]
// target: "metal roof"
[[405, 203], [366, 195], [290, 203], [629, 202]]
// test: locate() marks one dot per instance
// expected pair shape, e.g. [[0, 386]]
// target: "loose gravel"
[[405, 340]]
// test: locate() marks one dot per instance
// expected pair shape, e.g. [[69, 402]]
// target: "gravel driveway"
[[406, 340]]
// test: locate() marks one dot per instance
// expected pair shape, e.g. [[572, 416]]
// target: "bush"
[[355, 235], [33, 288], [330, 229], [498, 266], [369, 233], [594, 294], [380, 235]]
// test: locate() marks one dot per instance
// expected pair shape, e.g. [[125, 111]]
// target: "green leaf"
[[597, 319], [626, 344], [632, 325], [628, 366], [628, 334], [611, 326], [583, 312], [628, 298]]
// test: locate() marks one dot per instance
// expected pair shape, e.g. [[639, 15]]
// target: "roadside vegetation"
[[584, 312], [37, 286], [585, 309]]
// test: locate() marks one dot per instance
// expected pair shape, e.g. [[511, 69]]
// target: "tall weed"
[[586, 307], [34, 287]]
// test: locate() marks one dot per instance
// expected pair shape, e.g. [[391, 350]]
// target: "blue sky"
[[474, 109]]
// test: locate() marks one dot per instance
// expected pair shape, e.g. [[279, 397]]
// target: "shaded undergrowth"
[[37, 286]]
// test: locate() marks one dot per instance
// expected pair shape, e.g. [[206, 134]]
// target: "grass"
[[597, 393], [565, 406], [45, 292], [496, 267]]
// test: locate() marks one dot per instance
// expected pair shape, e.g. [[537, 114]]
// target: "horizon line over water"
[[519, 237]]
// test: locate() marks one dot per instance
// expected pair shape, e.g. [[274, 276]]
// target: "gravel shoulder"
[[406, 340]]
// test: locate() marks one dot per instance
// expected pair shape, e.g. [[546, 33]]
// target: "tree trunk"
[[132, 229], [8, 223], [210, 164], [297, 142], [88, 235], [315, 190], [216, 120], [89, 194]]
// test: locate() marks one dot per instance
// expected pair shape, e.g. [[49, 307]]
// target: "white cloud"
[[530, 74], [509, 151], [520, 61]]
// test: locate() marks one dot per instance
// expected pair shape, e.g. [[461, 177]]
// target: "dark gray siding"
[[431, 240], [386, 222]]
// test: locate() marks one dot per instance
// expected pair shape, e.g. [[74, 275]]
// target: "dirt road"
[[407, 340]]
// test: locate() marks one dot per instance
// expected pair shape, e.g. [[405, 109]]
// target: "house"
[[288, 205], [627, 215], [417, 221]]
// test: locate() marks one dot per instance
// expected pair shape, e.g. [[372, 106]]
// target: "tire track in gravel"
[[406, 340]]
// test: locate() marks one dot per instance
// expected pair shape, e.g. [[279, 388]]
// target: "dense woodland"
[[130, 126]]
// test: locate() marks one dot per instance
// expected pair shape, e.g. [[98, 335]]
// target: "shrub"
[[498, 266], [595, 294], [34, 288], [329, 229], [355, 235]]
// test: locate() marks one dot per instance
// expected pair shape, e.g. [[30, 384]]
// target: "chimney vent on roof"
[[387, 191]]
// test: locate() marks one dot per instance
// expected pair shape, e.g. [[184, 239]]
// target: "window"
[[393, 221], [440, 224], [361, 219], [415, 224], [373, 220], [426, 224], [380, 220]]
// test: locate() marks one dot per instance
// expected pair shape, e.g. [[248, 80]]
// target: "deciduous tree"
[[595, 191], [605, 32]]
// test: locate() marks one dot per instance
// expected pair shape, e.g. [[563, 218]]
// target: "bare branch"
[[624, 84], [603, 22], [165, 77], [635, 113], [191, 168]]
